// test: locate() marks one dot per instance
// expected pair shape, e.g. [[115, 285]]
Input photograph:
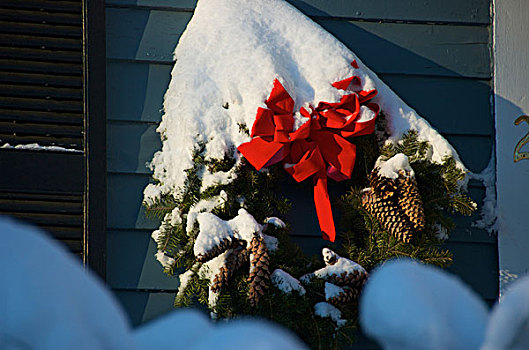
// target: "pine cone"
[[409, 199], [384, 187], [349, 294], [234, 261], [259, 276], [220, 248], [352, 279], [389, 215]]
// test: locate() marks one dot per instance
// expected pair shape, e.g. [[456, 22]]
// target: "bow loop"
[[280, 101]]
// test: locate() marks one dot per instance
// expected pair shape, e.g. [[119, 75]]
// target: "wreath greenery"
[[362, 239]]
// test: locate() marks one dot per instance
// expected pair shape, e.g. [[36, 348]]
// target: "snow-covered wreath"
[[260, 93]]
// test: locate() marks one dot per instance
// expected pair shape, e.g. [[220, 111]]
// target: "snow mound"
[[390, 168], [508, 326], [335, 266], [244, 226], [249, 334], [271, 243], [338, 266], [49, 301], [407, 305], [184, 327], [218, 83], [204, 205], [213, 230], [324, 309], [286, 283], [277, 222], [189, 329], [332, 291], [165, 260]]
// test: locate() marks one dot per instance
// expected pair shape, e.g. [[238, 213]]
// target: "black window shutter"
[[50, 53]]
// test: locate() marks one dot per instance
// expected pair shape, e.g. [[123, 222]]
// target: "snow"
[[177, 330], [176, 217], [271, 242], [408, 305], [286, 283], [335, 266], [248, 334], [488, 209], [184, 280], [213, 231], [506, 277], [166, 261], [324, 309], [244, 225], [390, 168], [155, 235], [329, 257], [218, 178], [204, 205], [49, 301], [37, 147], [209, 270], [190, 329], [332, 290], [277, 222], [150, 193], [442, 232], [508, 326], [341, 265], [213, 71]]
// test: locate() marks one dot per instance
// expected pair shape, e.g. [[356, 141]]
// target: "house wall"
[[436, 55], [511, 85]]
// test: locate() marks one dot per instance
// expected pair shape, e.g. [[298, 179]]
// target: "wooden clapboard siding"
[[435, 55], [451, 11], [149, 304], [413, 49]]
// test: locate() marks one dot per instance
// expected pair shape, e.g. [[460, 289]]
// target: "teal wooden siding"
[[435, 55]]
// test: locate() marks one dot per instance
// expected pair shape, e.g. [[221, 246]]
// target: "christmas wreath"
[[217, 178]]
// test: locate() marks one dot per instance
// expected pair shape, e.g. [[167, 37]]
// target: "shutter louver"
[[41, 101]]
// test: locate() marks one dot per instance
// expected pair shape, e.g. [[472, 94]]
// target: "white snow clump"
[[286, 283], [408, 305], [390, 168], [324, 309]]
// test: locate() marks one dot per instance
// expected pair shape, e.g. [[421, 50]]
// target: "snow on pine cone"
[[354, 278], [234, 261], [348, 294], [352, 284], [338, 270], [409, 199], [218, 249], [259, 276], [389, 215]]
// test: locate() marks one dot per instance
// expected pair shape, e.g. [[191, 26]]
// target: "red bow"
[[316, 148]]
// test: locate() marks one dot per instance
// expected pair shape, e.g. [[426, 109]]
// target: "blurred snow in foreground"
[[408, 305], [48, 301]]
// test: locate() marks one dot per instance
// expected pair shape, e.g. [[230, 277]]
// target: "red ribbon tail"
[[323, 206]]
